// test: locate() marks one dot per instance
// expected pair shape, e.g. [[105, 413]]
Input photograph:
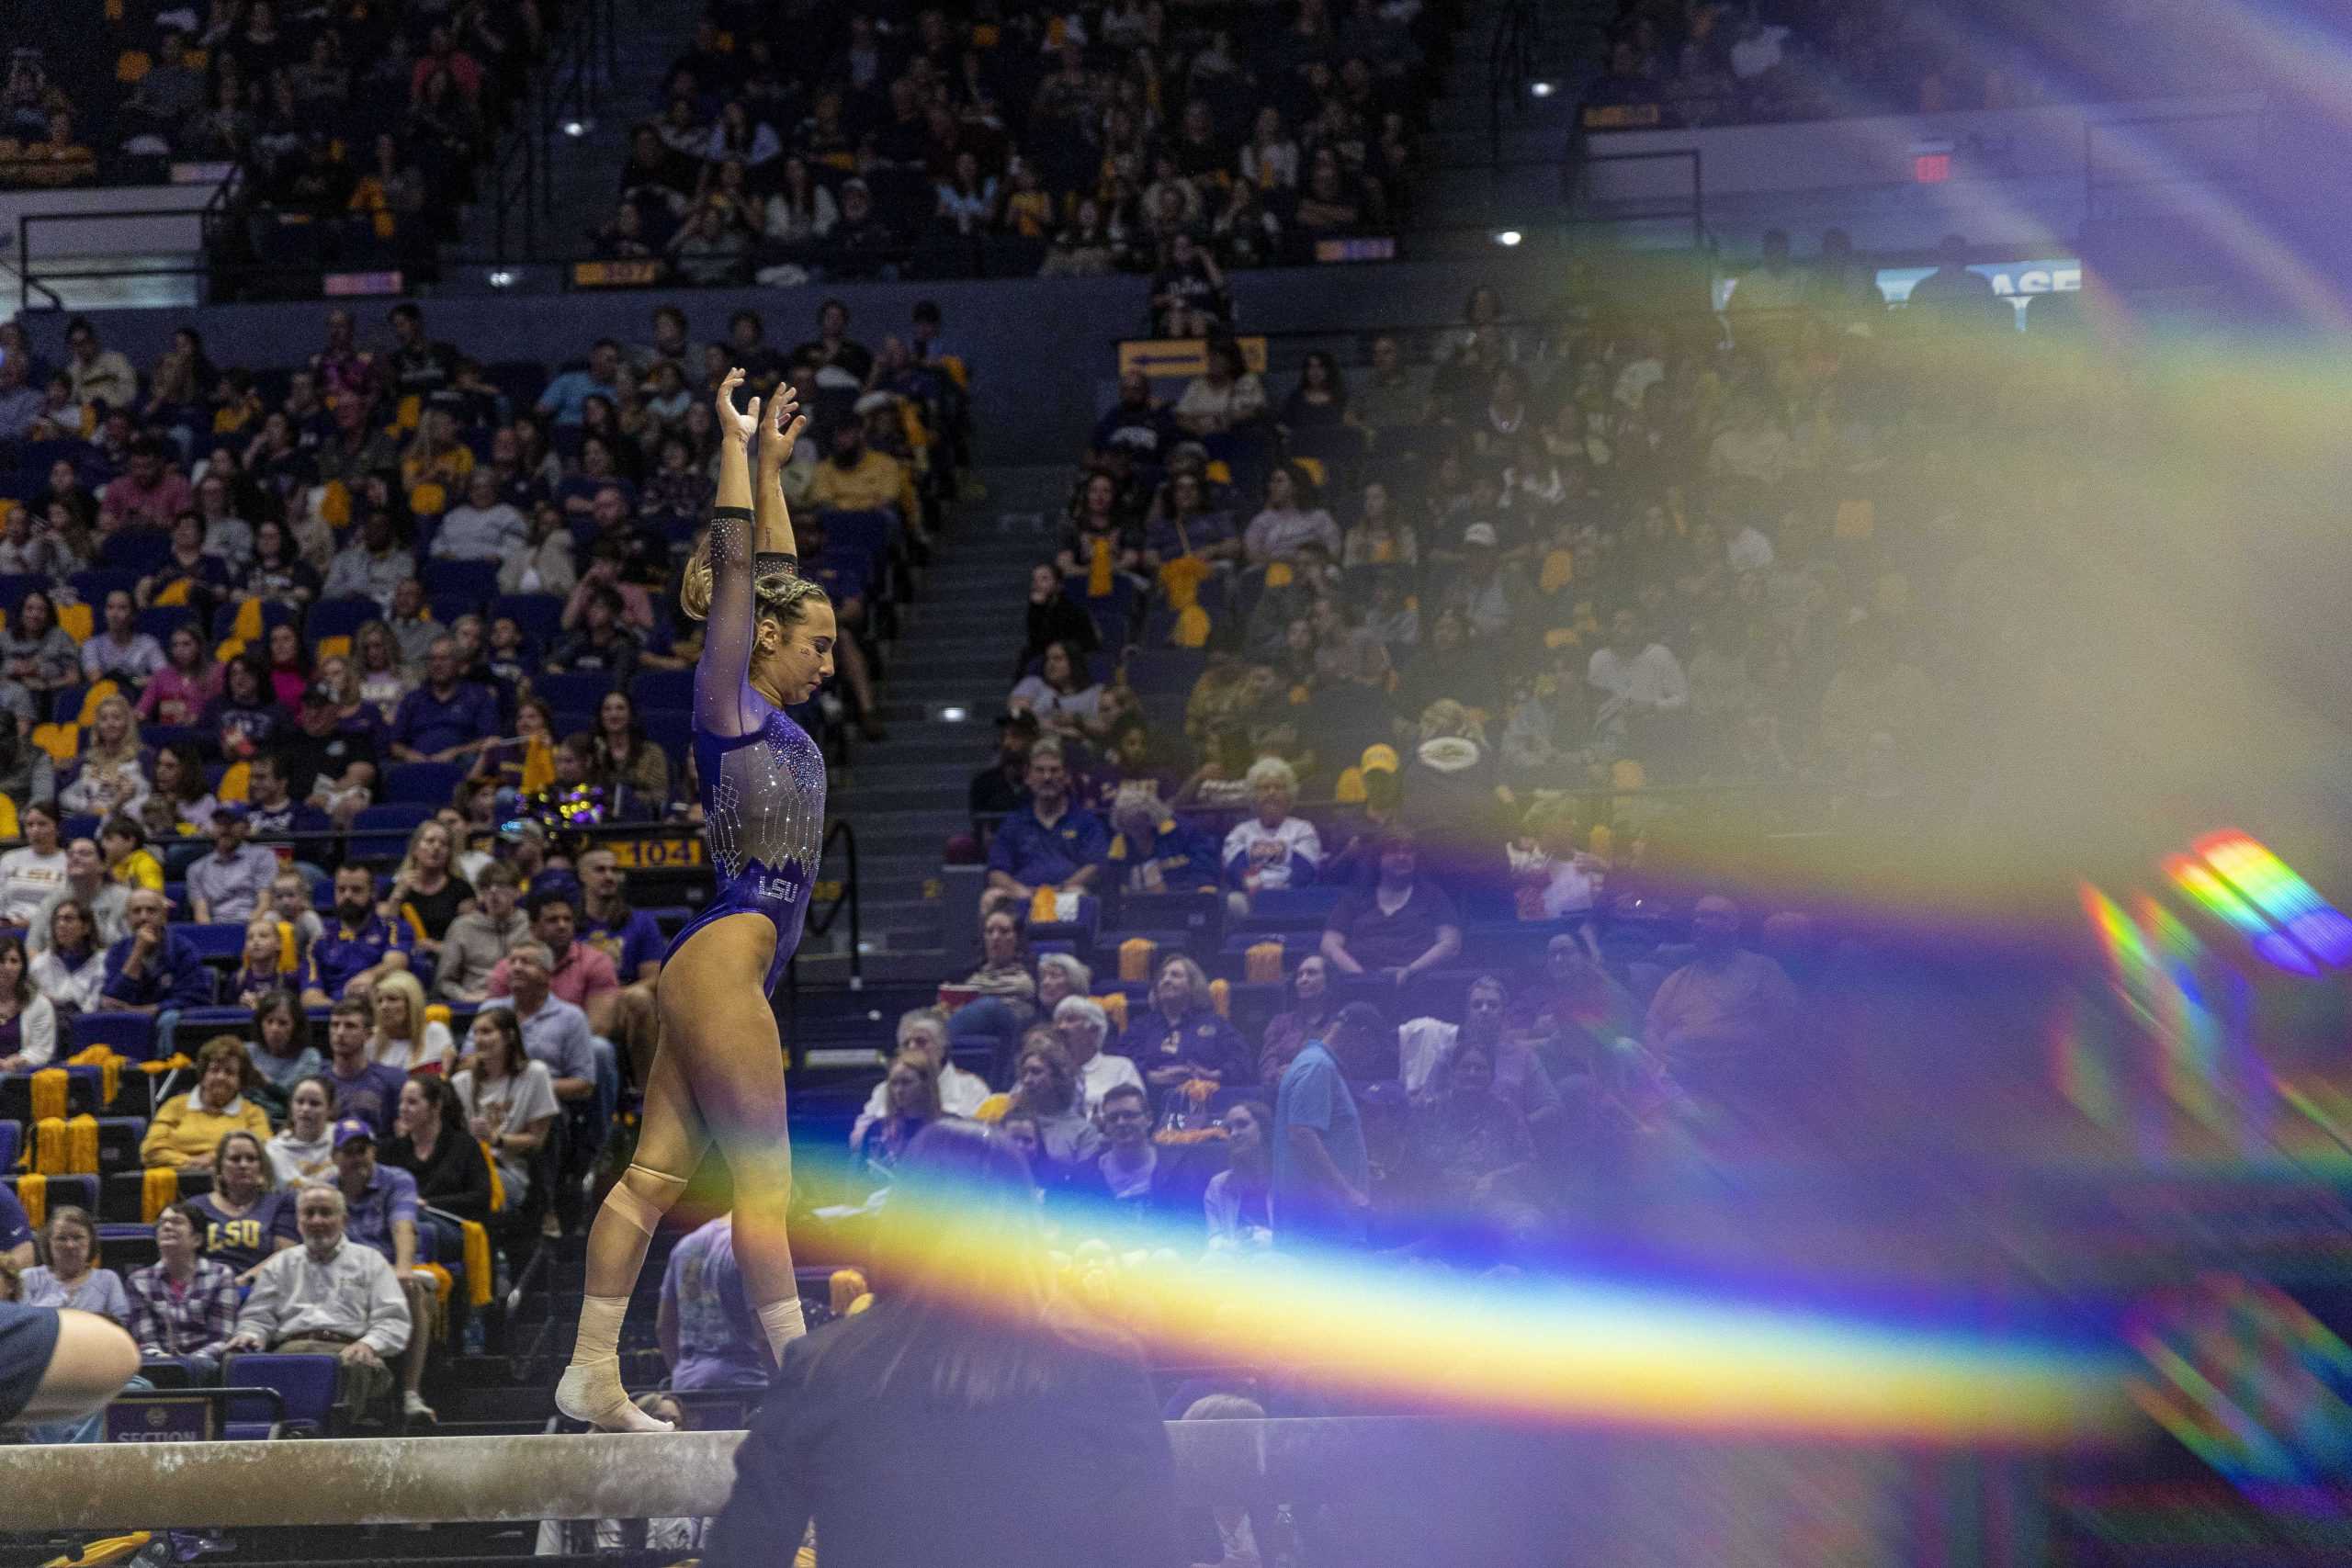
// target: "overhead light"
[[1539, 89], [954, 715], [501, 279], [575, 128], [1509, 237]]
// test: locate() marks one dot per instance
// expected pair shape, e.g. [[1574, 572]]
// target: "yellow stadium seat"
[[94, 696], [235, 782], [77, 620], [229, 650], [62, 741], [247, 628]]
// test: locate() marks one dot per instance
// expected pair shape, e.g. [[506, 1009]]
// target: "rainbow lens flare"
[[2241, 883], [2246, 1379]]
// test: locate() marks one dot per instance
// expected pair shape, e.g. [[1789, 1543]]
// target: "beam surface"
[[396, 1480]]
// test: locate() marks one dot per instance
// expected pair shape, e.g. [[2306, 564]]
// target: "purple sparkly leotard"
[[763, 777]]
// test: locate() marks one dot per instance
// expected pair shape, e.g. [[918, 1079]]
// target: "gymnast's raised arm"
[[719, 587], [774, 543]]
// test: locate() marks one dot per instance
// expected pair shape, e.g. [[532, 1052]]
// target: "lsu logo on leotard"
[[781, 888]]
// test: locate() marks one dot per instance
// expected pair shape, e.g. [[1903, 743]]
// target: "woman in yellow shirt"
[[189, 1128]]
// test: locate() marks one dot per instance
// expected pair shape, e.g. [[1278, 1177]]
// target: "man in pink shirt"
[[582, 975], [150, 496]]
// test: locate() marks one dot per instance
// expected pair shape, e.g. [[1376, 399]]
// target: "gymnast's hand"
[[735, 426], [786, 424]]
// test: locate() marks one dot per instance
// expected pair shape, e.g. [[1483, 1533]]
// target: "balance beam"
[[404, 1480]]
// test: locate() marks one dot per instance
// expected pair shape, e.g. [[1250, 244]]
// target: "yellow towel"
[[49, 1094], [1262, 963], [991, 1110], [478, 1266], [32, 1196], [846, 1286], [1191, 627], [109, 1065], [1136, 956], [1098, 570], [82, 1145], [48, 1145], [1221, 997], [247, 626], [158, 1192], [1115, 1006], [538, 765]]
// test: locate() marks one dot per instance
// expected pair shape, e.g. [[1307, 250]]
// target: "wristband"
[[783, 560], [744, 512]]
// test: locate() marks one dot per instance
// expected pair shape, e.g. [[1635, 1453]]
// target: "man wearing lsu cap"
[[380, 1206]]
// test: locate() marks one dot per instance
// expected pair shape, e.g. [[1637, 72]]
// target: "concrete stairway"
[[905, 795]]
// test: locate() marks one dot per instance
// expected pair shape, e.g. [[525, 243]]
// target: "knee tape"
[[639, 1210]]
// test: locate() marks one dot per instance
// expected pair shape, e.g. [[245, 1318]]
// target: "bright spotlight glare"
[[1540, 89], [575, 128], [1509, 237], [501, 279]]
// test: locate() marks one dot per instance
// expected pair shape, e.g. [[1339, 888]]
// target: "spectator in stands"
[[233, 880], [153, 969], [427, 893], [1064, 694], [187, 1128], [1050, 843], [925, 1031], [183, 1305], [922, 1351], [1723, 1021], [1512, 1071], [1959, 294], [1181, 1036], [452, 1175], [303, 1150], [120, 650], [1237, 1199], [1154, 851], [1577, 1014], [1400, 926], [479, 940], [1272, 847], [1004, 787], [186, 684], [71, 973], [149, 494], [35, 870], [373, 563], [245, 715], [404, 1038], [633, 772], [1289, 521], [1046, 1092], [261, 969], [554, 1032], [244, 1217], [35, 652], [1320, 1173], [1003, 974], [271, 809], [1134, 1173], [581, 974], [110, 775], [280, 1051], [1310, 1016], [330, 1296], [910, 1102], [381, 1212], [27, 1018], [709, 1335], [629, 937], [484, 528], [1084, 1029], [279, 575], [857, 478], [445, 718], [1227, 396], [1475, 1140], [72, 1278], [362, 1088], [359, 946], [509, 1100]]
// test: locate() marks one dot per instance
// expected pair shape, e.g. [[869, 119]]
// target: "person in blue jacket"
[[1154, 851], [153, 968]]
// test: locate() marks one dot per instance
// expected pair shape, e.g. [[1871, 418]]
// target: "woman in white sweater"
[[72, 971], [28, 1020]]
